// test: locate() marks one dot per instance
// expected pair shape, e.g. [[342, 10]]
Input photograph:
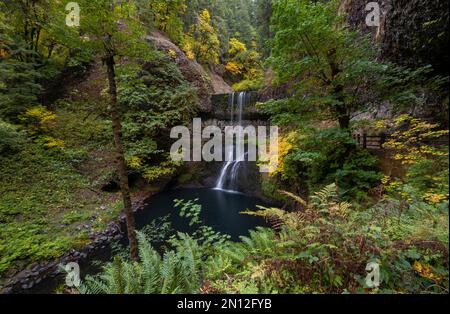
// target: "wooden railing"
[[370, 141], [375, 142]]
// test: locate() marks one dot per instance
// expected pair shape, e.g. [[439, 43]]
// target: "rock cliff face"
[[207, 82], [411, 32]]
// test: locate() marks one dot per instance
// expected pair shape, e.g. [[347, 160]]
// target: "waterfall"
[[230, 170]]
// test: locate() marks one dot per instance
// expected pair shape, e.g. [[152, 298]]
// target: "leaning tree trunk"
[[121, 167]]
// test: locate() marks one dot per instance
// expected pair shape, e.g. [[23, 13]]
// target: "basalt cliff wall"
[[411, 33]]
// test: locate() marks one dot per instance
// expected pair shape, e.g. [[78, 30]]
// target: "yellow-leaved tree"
[[422, 149], [244, 65], [202, 42], [236, 52], [163, 15]]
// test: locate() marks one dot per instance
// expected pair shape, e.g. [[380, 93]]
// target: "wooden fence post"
[[382, 139]]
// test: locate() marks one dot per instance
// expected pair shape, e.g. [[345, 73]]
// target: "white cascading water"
[[230, 170]]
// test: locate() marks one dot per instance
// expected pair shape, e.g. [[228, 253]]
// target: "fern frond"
[[277, 217], [189, 254], [170, 273], [296, 198], [322, 198]]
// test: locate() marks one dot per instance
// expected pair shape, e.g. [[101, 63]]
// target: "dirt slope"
[[206, 81]]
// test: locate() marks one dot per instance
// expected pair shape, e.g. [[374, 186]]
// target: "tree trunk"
[[341, 109], [50, 51], [38, 35], [121, 167], [338, 90], [344, 121]]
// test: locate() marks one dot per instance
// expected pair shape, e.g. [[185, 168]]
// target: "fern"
[[178, 271], [321, 199], [277, 217], [151, 263], [327, 201], [184, 268], [189, 256], [116, 276], [296, 198], [217, 265], [169, 273]]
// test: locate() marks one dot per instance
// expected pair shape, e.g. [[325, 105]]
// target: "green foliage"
[[82, 125], [332, 68], [35, 45], [38, 195], [164, 16], [46, 203], [189, 210], [178, 271], [326, 247], [327, 156], [202, 42], [263, 17], [270, 187], [155, 95], [158, 230], [249, 85], [19, 88], [205, 235], [106, 36], [309, 37], [30, 241], [152, 97], [11, 140], [358, 174], [232, 18], [75, 216]]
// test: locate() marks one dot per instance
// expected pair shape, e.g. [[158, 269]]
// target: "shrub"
[[249, 84], [11, 140], [426, 164], [358, 174], [38, 120], [321, 157]]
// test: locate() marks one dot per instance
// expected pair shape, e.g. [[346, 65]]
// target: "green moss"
[[75, 216], [44, 202], [184, 178]]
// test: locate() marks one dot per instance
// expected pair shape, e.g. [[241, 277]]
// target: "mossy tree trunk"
[[121, 166]]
